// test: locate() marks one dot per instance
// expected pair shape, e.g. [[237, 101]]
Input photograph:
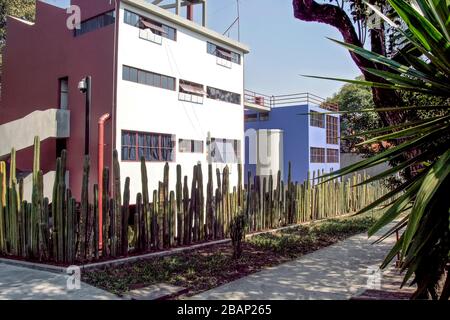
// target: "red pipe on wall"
[[190, 12], [101, 145]]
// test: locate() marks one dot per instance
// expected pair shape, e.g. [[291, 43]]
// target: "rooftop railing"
[[288, 100]]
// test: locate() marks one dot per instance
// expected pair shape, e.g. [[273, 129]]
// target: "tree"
[[353, 27], [353, 98], [420, 204]]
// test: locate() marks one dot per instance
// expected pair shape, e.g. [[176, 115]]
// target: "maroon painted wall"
[[36, 57]]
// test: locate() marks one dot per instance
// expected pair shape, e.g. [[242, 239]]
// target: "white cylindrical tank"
[[269, 152]]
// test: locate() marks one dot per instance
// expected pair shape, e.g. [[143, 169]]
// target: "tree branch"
[[312, 11]]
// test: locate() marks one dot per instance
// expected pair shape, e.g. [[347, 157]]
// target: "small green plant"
[[237, 234]]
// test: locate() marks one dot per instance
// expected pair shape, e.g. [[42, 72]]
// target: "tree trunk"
[[310, 10]]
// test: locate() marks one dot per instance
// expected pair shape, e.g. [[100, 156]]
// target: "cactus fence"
[[67, 231]]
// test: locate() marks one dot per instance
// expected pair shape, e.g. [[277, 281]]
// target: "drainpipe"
[[101, 145]]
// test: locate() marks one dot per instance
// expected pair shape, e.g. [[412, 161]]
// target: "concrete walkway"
[[337, 272], [18, 283]]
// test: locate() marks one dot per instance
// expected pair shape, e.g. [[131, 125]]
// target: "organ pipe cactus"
[[165, 207], [191, 206], [106, 215], [172, 216], [145, 234], [186, 209], [116, 241], [137, 229], [179, 209], [237, 234], [2, 207], [40, 231], [125, 216], [84, 208], [209, 204], [155, 221], [200, 205], [95, 223]]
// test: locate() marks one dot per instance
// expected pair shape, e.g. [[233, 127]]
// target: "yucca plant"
[[421, 205]]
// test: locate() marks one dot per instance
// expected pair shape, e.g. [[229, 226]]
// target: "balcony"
[[190, 98], [260, 102], [224, 63], [147, 34]]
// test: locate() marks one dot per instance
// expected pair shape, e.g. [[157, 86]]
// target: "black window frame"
[[317, 119], [223, 95], [214, 50], [95, 23], [132, 74], [332, 130], [62, 92], [133, 19], [136, 150], [251, 117], [193, 148], [332, 155], [317, 158]]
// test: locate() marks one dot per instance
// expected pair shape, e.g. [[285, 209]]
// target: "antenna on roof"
[[238, 21]]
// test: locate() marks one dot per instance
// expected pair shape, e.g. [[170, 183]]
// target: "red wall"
[[37, 56]]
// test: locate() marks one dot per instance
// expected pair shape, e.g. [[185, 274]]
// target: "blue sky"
[[282, 47]]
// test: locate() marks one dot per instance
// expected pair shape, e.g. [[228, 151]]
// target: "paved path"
[[18, 283], [337, 272]]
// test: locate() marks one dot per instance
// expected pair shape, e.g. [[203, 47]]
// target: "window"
[[263, 116], [64, 93], [317, 119], [148, 78], [191, 91], [155, 28], [251, 117], [317, 155], [95, 23], [332, 156], [332, 130], [223, 95], [223, 53], [190, 146], [151, 146], [225, 150]]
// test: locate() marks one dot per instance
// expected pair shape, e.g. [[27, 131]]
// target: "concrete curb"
[[96, 265], [33, 265]]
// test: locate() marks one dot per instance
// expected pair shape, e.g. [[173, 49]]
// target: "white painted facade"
[[318, 138], [269, 152], [145, 108]]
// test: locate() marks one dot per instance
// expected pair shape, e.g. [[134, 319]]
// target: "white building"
[[179, 83]]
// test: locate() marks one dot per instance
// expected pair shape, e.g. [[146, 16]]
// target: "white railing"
[[148, 35], [190, 98], [224, 62]]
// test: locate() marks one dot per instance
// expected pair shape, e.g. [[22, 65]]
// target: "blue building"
[[290, 128]]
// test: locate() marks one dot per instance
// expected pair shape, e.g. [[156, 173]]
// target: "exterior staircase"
[[19, 134]]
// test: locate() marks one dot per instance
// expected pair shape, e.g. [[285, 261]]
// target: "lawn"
[[209, 267]]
